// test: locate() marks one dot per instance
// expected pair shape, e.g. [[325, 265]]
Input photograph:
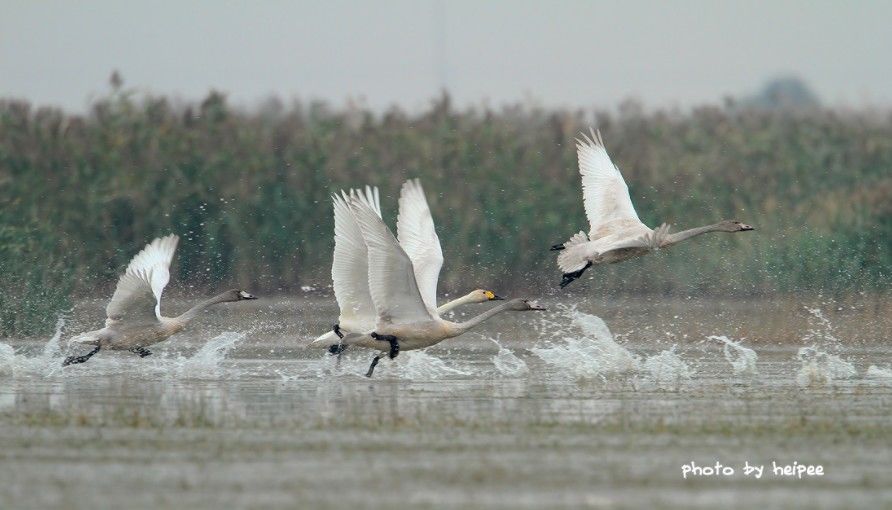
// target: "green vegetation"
[[249, 194]]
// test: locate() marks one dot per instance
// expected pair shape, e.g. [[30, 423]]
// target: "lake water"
[[559, 409]]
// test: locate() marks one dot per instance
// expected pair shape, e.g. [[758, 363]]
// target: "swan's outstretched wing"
[[605, 194], [416, 234], [137, 298], [391, 275], [350, 263]]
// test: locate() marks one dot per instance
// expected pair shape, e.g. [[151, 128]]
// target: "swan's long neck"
[[455, 303], [692, 232], [200, 307], [461, 327]]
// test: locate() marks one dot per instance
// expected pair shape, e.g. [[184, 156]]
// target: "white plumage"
[[417, 236], [392, 282], [349, 268]]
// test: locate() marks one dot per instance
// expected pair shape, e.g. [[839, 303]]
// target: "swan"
[[404, 294], [134, 318], [616, 232], [349, 269]]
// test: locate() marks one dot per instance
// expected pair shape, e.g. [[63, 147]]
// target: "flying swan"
[[404, 294], [350, 266], [616, 232], [134, 312]]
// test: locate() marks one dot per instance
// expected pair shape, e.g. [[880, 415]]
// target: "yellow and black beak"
[[492, 296]]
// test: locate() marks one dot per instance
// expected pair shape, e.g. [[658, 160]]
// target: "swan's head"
[[735, 226], [483, 295], [523, 305], [240, 295]]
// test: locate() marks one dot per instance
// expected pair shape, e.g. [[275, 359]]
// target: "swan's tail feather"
[[573, 255], [328, 338], [578, 238], [88, 338]]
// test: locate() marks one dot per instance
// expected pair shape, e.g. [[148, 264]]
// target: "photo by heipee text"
[[757, 471]]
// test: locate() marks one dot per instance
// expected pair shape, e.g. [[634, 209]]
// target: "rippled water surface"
[[561, 409]]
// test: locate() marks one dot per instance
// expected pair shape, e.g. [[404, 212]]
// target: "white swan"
[[134, 312], [349, 268], [616, 232], [404, 296]]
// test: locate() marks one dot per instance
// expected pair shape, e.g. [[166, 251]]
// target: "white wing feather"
[[418, 237], [137, 298], [350, 263], [391, 275], [605, 194]]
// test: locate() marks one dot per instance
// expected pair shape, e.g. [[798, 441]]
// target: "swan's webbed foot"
[[337, 349], [394, 344], [142, 351], [375, 361], [337, 330], [568, 278], [74, 360]]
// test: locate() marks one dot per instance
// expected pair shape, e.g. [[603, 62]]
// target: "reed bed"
[[248, 191]]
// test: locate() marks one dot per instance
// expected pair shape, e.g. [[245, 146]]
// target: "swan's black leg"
[[568, 278], [142, 351], [394, 344], [73, 360], [375, 361], [338, 348], [557, 247]]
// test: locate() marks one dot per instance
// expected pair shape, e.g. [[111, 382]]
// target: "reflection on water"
[[553, 410]]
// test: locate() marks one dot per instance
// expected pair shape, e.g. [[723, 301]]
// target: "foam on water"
[[667, 369], [417, 365], [742, 359], [591, 352], [507, 363], [423, 365], [817, 368], [881, 375]]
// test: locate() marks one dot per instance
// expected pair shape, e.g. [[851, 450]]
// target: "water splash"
[[667, 369], [817, 368], [820, 330], [7, 359], [742, 359], [47, 362], [207, 360], [593, 354], [507, 363], [820, 363], [881, 375]]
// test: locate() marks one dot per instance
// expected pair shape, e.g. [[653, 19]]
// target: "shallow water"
[[554, 410]]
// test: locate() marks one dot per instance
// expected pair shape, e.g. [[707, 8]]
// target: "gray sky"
[[572, 53]]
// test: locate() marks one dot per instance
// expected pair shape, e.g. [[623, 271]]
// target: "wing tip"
[[592, 139]]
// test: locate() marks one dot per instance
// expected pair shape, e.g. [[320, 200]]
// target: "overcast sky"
[[572, 53]]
